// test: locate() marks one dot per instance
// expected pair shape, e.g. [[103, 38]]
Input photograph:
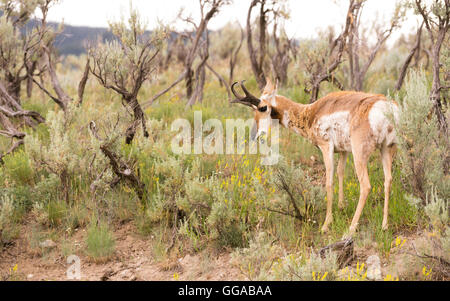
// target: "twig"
[[284, 186], [282, 212]]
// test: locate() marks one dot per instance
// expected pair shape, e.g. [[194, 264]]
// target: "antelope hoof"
[[324, 229], [385, 226], [351, 231], [346, 236], [342, 205], [327, 222]]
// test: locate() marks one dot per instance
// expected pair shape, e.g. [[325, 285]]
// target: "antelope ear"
[[275, 90], [269, 88]]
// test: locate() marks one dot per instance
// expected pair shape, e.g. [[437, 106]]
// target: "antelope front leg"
[[341, 173], [327, 152]]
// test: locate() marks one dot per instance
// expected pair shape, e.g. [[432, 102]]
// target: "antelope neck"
[[292, 115]]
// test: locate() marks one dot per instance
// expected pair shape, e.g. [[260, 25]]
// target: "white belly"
[[335, 128]]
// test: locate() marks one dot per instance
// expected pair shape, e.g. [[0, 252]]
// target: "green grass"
[[100, 242], [56, 211], [17, 168]]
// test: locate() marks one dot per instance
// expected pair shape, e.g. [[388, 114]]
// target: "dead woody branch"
[[48, 55], [343, 248], [414, 51], [258, 54], [360, 54], [123, 65], [122, 169], [20, 53], [234, 57], [194, 79], [321, 70], [436, 18]]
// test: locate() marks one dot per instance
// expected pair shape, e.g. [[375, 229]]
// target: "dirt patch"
[[133, 260]]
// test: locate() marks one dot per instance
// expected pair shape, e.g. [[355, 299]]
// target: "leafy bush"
[[422, 150], [67, 157], [295, 267], [59, 156], [47, 189], [227, 230], [100, 242], [437, 211], [256, 260], [18, 169], [226, 41], [296, 190], [446, 241], [8, 229], [56, 212]]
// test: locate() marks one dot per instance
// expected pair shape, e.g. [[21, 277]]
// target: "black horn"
[[234, 91], [248, 99]]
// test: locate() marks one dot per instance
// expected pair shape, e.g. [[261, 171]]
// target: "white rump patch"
[[335, 128], [381, 126]]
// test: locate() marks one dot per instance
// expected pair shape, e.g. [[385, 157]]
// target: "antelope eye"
[[263, 109]]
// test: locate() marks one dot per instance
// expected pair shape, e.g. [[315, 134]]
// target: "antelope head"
[[261, 106]]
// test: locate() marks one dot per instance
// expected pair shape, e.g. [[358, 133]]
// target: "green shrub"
[[8, 226], [226, 229], [56, 212], [296, 268], [295, 187], [58, 156], [66, 153], [75, 217], [100, 242], [257, 260], [446, 241], [437, 210], [422, 150], [18, 169], [47, 189]]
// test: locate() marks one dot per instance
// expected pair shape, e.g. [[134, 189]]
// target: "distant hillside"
[[73, 38]]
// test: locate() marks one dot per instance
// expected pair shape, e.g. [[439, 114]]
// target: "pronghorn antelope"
[[340, 122]]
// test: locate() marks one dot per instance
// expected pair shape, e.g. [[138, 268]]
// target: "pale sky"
[[307, 16]]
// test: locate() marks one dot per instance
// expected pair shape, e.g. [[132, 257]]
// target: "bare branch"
[[15, 146], [64, 99], [408, 60], [234, 56], [323, 71], [221, 80], [176, 82], [119, 166], [191, 78], [83, 81]]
